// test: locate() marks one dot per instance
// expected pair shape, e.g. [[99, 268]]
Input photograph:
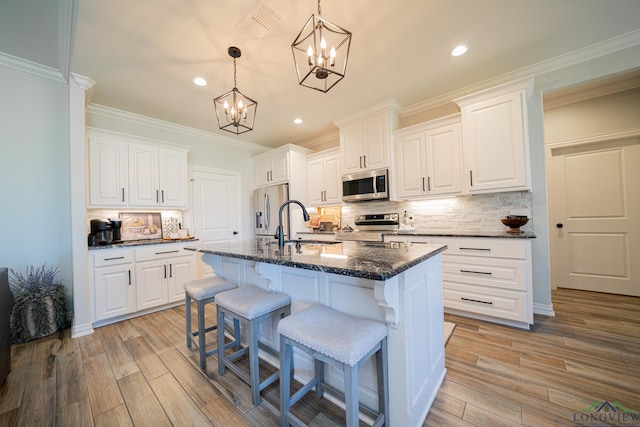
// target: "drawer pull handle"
[[114, 258], [167, 252], [129, 277], [476, 300], [476, 249], [488, 273]]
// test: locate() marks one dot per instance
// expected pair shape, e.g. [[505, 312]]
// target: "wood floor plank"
[[222, 413], [126, 330], [480, 416], [90, 346], [13, 389], [180, 408], [120, 360], [116, 417], [143, 405], [152, 332], [104, 393], [146, 359], [76, 414], [71, 384]]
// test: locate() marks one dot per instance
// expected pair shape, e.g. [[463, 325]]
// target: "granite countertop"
[[143, 242], [464, 233], [368, 260]]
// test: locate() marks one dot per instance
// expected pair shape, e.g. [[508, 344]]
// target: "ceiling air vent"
[[259, 20]]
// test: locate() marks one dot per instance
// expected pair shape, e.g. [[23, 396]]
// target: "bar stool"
[[250, 305], [330, 336], [204, 291]]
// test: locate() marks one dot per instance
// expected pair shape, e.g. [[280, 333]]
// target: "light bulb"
[[323, 43]]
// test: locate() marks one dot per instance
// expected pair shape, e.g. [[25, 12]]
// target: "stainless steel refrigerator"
[[266, 206]]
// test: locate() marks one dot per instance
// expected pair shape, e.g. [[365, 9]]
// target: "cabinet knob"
[[559, 225], [235, 232]]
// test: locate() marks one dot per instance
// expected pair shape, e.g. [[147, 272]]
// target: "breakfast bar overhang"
[[397, 283]]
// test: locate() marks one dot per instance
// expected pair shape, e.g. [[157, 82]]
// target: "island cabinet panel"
[[409, 302]]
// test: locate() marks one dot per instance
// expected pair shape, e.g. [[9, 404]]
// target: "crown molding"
[[138, 119], [31, 67], [591, 52], [320, 141]]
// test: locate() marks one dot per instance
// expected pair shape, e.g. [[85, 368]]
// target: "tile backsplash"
[[113, 213], [477, 212]]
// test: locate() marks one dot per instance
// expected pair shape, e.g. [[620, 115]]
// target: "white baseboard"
[[81, 330], [544, 309]]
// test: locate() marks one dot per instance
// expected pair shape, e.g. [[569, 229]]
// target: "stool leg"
[[220, 341], [202, 343], [254, 372], [285, 380], [238, 338], [351, 394], [383, 381], [319, 377], [187, 304]]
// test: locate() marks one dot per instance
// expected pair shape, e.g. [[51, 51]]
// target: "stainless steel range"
[[369, 228]]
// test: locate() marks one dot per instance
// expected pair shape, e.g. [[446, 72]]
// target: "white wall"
[[34, 172]]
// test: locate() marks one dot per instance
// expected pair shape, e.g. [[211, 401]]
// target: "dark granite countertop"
[[143, 242], [368, 260]]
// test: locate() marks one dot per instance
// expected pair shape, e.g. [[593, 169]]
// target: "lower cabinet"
[[485, 278], [132, 280]]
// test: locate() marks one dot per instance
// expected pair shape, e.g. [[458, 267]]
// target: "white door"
[[215, 202], [595, 214]]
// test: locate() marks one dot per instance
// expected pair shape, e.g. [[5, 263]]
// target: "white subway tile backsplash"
[[477, 212]]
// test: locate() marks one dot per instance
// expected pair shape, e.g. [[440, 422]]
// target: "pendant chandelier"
[[320, 53], [236, 112]]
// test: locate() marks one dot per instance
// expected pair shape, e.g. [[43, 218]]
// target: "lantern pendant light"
[[320, 53], [236, 112]]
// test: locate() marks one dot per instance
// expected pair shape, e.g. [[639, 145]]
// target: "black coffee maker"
[[105, 232]]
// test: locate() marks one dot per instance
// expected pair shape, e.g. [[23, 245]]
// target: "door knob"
[[559, 225], [235, 232]]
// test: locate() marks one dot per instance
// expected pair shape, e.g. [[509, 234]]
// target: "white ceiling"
[[142, 54]]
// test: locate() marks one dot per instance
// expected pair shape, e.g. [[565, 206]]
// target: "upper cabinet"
[[365, 137], [157, 177], [126, 171], [496, 139], [276, 166], [108, 171], [324, 178], [428, 159]]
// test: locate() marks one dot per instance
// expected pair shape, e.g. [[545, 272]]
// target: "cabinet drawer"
[[485, 247], [497, 273], [112, 257], [161, 251], [504, 304]]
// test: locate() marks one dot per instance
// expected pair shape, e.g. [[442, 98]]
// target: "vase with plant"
[[39, 303]]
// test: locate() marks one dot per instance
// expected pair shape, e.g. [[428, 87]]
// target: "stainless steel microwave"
[[363, 186]]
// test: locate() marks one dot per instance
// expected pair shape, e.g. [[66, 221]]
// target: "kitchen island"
[[395, 283]]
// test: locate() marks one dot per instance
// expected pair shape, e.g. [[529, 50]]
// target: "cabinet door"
[[173, 178], [315, 181], [410, 174], [113, 291], [351, 148], [151, 284], [332, 179], [280, 168], [143, 176], [107, 172], [443, 160], [263, 171], [495, 144], [375, 140], [181, 270]]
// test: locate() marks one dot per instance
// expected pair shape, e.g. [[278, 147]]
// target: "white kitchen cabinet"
[[280, 165], [365, 138], [496, 138], [127, 171], [113, 279], [324, 178], [161, 271], [428, 159], [158, 177], [485, 278], [108, 182]]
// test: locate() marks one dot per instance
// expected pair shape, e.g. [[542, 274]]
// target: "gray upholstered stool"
[[204, 291], [251, 305], [330, 336]]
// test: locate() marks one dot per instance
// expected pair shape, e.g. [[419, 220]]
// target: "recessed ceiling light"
[[199, 81], [297, 121], [459, 50]]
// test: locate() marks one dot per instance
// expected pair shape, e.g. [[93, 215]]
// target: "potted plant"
[[39, 303]]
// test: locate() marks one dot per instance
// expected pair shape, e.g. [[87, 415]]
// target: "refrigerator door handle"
[[267, 211], [258, 222]]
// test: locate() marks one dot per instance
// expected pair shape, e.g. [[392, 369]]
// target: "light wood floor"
[[139, 372]]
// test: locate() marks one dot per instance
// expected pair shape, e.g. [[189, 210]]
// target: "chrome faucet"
[[280, 231]]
